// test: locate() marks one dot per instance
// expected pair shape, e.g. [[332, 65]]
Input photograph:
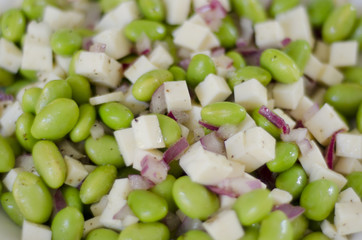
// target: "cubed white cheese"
[[343, 54], [285, 117], [348, 195], [117, 96], [177, 96], [314, 68], [76, 172], [287, 96], [212, 89], [250, 94], [177, 11], [26, 162], [269, 34], [69, 18], [226, 202], [133, 104], [349, 145], [90, 168], [140, 154], [348, 217], [120, 190], [313, 157], [304, 104], [320, 172], [147, 132], [223, 65], [330, 76], [347, 165], [91, 224], [126, 142], [10, 56], [191, 36], [355, 236], [9, 117], [39, 33], [321, 51], [98, 207], [141, 66], [330, 231], [184, 130], [160, 57], [210, 42], [63, 62], [10, 177], [194, 117], [281, 196], [31, 231], [36, 57], [247, 123]]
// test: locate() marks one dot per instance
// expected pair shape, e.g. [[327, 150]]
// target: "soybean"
[[152, 9], [15, 145], [107, 5], [353, 75], [30, 99], [11, 208], [300, 226], [359, 118], [221, 113], [354, 180], [252, 9], [6, 78], [357, 33], [65, 42], [67, 224], [13, 24], [249, 72], [33, 9], [318, 11], [276, 226], [286, 154], [171, 131], [279, 6], [316, 236], [292, 180], [200, 66], [153, 30], [238, 60], [300, 52], [195, 235], [145, 231], [227, 33], [7, 156], [102, 234], [261, 121], [178, 73], [81, 89], [251, 233], [115, 115], [71, 197], [87, 117], [23, 131], [164, 189]]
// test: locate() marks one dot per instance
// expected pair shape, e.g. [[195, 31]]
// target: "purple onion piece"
[[274, 118]]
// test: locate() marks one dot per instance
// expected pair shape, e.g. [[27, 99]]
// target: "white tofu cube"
[[9, 117], [313, 157], [348, 195], [281, 196], [321, 51], [347, 165], [140, 154], [330, 76], [10, 177], [212, 89], [194, 117], [210, 42], [69, 19], [320, 172], [141, 66], [99, 68], [91, 224], [98, 207], [133, 104], [250, 94], [330, 231], [117, 96], [349, 145], [191, 36], [348, 217], [43, 60], [287, 96], [224, 225], [76, 172], [126, 142], [10, 56], [177, 96], [314, 68], [39, 33], [160, 57], [324, 123], [269, 34], [31, 231], [226, 202], [343, 54], [177, 11], [304, 104], [63, 62], [247, 123], [147, 132], [285, 117], [120, 190]]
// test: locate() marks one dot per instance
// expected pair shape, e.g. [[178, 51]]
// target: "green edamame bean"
[[13, 25], [87, 117], [65, 42], [49, 163], [81, 89], [353, 74], [148, 83], [221, 113], [102, 234], [238, 60], [51, 91], [56, 119], [359, 118], [339, 23], [227, 33], [9, 205], [354, 180], [30, 99], [195, 235], [154, 30], [345, 98], [178, 73], [164, 189], [357, 33], [316, 236], [300, 52], [125, 171], [67, 224], [318, 11], [280, 6], [7, 156], [71, 197], [33, 9], [252, 9], [147, 206], [32, 197], [175, 169], [71, 70], [145, 231], [292, 180], [249, 72], [29, 74], [104, 150], [200, 66], [107, 5], [282, 67], [115, 115], [6, 78], [251, 232], [15, 145], [152, 9], [261, 121], [193, 199], [300, 226], [286, 154], [171, 131], [23, 131], [17, 86], [97, 183], [253, 206], [318, 199], [276, 226]]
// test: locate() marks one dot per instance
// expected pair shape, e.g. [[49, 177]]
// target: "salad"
[[181, 119]]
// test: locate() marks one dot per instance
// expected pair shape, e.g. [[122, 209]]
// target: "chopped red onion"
[[59, 201], [185, 63], [153, 169], [123, 212], [212, 13], [158, 101], [143, 45], [330, 150], [171, 115], [290, 211], [139, 182], [87, 43], [304, 146], [176, 150], [299, 124], [223, 61], [179, 116], [234, 187], [247, 30], [286, 41], [98, 47], [124, 87], [241, 43], [274, 118], [222, 191], [226, 131], [208, 126], [266, 176], [6, 97], [218, 51], [310, 112], [211, 142]]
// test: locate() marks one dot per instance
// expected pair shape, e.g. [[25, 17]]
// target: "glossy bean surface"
[[221, 113]]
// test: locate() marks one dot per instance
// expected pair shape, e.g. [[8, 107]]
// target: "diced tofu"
[[347, 165], [133, 104], [160, 57], [37, 57], [97, 208], [253, 148], [191, 36], [39, 33], [120, 190], [348, 217], [321, 51], [343, 54], [126, 142], [223, 65], [177, 96], [348, 195], [184, 131], [10, 177], [177, 11], [147, 132], [285, 117], [304, 104], [91, 224], [26, 162], [355, 236], [194, 117], [320, 172], [212, 89], [10, 56], [141, 66], [269, 34], [99, 68], [281, 196], [314, 68], [117, 96], [330, 231], [247, 123], [76, 172], [117, 45], [313, 157], [63, 62], [349, 145], [226, 202], [140, 154], [69, 19], [31, 231], [330, 76], [9, 117], [210, 42], [287, 96], [250, 94], [324, 123], [224, 225]]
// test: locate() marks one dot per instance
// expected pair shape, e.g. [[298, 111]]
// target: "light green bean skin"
[[175, 169], [227, 33], [23, 131], [359, 118], [318, 11], [55, 120], [292, 180], [7, 156], [15, 145], [104, 150], [345, 98], [282, 67], [81, 89], [252, 9], [71, 197], [316, 236], [300, 52], [276, 226], [154, 30], [33, 9], [200, 66], [145, 231], [51, 91], [353, 75], [249, 72], [13, 25], [115, 115], [30, 99], [171, 131], [152, 9], [164, 189], [286, 154], [65, 42], [251, 233], [6, 78], [87, 117], [318, 199], [339, 23], [253, 206], [178, 73], [9, 205], [261, 121], [32, 197], [97, 184], [193, 199], [238, 60], [125, 171], [71, 70], [355, 182], [148, 83], [28, 74], [195, 235], [17, 86], [280, 6], [49, 163], [357, 33], [68, 224], [300, 226], [107, 5], [221, 113], [102, 234]]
